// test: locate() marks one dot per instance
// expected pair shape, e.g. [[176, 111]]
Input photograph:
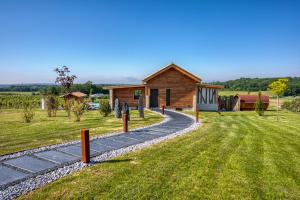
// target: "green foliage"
[[17, 101], [260, 84], [279, 87], [28, 111], [293, 105], [86, 88], [51, 90], [259, 106], [67, 106], [78, 109], [105, 109], [52, 103]]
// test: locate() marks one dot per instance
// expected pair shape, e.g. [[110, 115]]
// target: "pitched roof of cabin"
[[122, 86], [176, 67], [75, 94]]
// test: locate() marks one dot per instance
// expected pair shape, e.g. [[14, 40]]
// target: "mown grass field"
[[237, 155], [230, 92], [15, 135]]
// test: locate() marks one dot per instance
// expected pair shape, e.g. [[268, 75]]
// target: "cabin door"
[[153, 98]]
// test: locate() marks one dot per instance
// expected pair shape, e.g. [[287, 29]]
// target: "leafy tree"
[[105, 109], [66, 81], [259, 106], [64, 78], [278, 88]]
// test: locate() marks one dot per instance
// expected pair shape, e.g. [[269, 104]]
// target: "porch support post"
[[195, 97], [111, 98]]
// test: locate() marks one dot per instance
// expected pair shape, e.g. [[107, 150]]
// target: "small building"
[[172, 87], [77, 96], [247, 102]]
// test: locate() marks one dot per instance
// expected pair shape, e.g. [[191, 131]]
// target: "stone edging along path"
[[31, 169]]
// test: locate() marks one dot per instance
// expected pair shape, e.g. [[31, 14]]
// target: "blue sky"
[[123, 41]]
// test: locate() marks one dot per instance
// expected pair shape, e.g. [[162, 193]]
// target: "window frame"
[[168, 97], [136, 97]]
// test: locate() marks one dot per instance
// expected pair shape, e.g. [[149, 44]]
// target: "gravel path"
[[24, 171]]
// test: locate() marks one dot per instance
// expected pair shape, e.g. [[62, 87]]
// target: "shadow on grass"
[[117, 161]]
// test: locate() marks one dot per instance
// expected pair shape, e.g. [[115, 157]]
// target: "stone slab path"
[[15, 170]]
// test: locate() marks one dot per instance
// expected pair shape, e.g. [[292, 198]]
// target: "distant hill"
[[260, 84]]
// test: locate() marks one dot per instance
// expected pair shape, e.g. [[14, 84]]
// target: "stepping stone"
[[57, 157], [127, 140], [75, 150], [9, 175], [143, 136], [110, 143], [150, 131], [30, 164], [163, 130], [99, 147]]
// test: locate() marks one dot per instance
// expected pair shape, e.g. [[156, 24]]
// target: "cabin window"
[[168, 97], [137, 94]]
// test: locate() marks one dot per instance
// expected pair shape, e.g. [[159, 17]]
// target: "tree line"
[[260, 84], [88, 88]]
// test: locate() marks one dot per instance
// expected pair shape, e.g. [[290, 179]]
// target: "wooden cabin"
[[172, 87], [247, 102], [77, 96]]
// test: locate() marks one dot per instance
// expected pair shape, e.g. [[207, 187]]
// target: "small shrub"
[[78, 109], [105, 109], [28, 112], [68, 106], [293, 105], [259, 106], [52, 105]]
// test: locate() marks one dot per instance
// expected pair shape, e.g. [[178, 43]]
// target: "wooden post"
[[85, 144], [197, 116], [125, 123], [163, 110]]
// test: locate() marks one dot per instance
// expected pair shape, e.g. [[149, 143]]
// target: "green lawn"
[[15, 135], [238, 155], [230, 92]]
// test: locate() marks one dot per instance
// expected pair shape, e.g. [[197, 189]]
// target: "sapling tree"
[[52, 105], [28, 112], [259, 106], [141, 107], [78, 108], [66, 80], [278, 88], [117, 108]]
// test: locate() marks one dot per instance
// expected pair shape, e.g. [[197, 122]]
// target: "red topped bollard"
[[85, 145], [197, 116], [163, 110], [125, 123]]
